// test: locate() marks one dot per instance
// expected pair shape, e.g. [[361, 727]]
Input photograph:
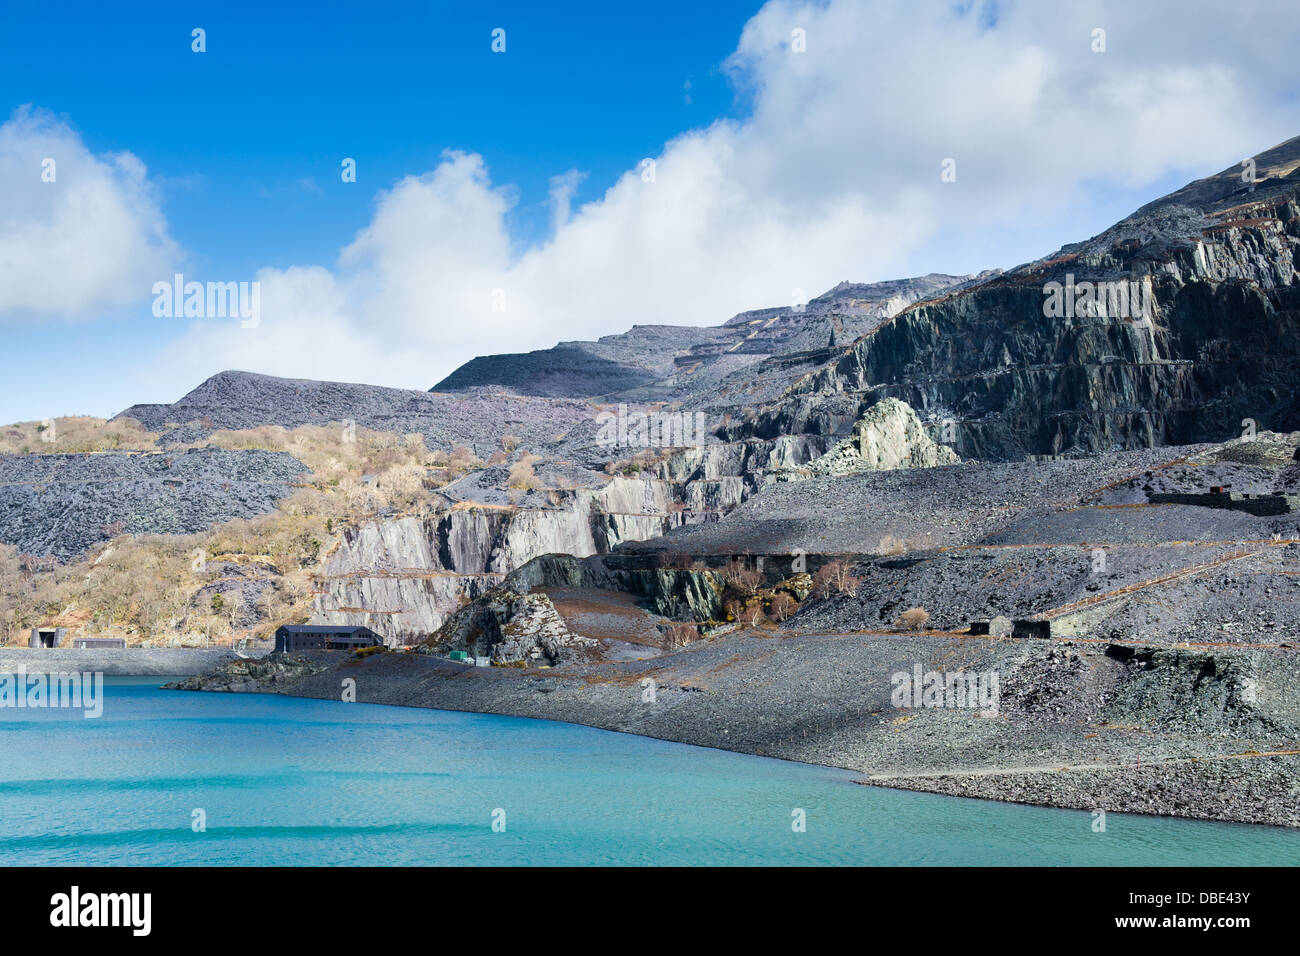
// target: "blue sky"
[[245, 141], [780, 169], [247, 138]]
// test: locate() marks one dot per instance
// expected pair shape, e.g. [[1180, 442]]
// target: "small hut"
[[47, 636], [1032, 629], [107, 643]]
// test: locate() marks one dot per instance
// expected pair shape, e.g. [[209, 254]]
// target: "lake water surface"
[[278, 780]]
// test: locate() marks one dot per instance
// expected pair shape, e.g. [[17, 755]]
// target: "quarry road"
[[1134, 476], [1230, 644], [1199, 568], [1069, 639], [1088, 545], [1010, 771]]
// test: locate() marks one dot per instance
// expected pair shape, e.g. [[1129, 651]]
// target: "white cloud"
[[561, 196], [834, 175], [91, 239]]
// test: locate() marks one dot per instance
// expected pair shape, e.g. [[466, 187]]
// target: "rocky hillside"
[[1212, 269], [478, 421], [61, 505], [675, 363], [1086, 546], [1217, 262], [1079, 477], [887, 436], [800, 405], [404, 575]]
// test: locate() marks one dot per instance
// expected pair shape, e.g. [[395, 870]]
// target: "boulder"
[[509, 626], [887, 436]]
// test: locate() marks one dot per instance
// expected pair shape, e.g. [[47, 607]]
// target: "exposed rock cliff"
[[1220, 344], [989, 365], [403, 576], [508, 625], [253, 676], [888, 435], [708, 365]]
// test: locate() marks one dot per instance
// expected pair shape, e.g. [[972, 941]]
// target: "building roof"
[[323, 629]]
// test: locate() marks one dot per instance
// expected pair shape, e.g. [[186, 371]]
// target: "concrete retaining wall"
[[1263, 506], [135, 661]]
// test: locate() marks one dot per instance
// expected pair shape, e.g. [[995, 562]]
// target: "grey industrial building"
[[324, 637]]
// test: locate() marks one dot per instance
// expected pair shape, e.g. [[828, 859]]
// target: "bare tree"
[[234, 608], [782, 606], [744, 580], [835, 577], [679, 635]]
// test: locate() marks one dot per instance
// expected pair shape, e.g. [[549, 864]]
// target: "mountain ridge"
[[1213, 247]]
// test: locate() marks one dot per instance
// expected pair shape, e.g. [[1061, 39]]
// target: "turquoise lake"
[[281, 781]]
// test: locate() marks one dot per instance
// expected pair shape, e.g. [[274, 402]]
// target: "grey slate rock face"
[[563, 371], [1223, 345], [510, 626], [478, 420], [768, 348], [888, 436], [977, 349], [61, 505], [1219, 257]]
